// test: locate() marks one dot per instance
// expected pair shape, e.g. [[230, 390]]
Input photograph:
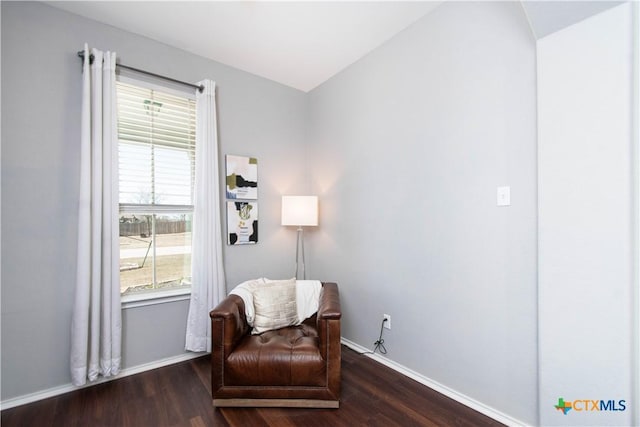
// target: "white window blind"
[[156, 148]]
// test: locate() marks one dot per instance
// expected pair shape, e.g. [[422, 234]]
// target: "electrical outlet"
[[387, 324]]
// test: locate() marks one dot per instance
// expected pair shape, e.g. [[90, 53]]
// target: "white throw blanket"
[[307, 297]]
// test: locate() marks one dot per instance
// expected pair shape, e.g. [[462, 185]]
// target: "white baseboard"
[[66, 388], [434, 385]]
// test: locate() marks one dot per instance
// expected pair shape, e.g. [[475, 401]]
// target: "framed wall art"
[[242, 177], [242, 223]]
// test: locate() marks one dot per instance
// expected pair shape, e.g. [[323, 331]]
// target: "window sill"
[[153, 298]]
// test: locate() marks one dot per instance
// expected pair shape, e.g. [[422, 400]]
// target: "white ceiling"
[[547, 17], [299, 44]]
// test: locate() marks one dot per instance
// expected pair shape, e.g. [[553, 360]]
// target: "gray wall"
[[41, 83], [586, 219], [407, 148]]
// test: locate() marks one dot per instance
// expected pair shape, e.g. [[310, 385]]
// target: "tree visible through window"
[[156, 150]]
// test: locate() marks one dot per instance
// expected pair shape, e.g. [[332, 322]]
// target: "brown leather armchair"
[[296, 366]]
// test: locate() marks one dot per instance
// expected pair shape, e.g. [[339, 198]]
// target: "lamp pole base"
[[300, 249]]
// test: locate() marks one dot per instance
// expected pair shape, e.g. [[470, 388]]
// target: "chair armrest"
[[329, 306], [228, 326], [328, 319], [228, 323], [328, 324]]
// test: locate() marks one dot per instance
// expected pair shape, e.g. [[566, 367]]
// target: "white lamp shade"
[[300, 210]]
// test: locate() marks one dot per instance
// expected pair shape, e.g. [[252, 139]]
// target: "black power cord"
[[379, 345]]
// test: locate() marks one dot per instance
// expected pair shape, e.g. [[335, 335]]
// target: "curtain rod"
[[200, 88]]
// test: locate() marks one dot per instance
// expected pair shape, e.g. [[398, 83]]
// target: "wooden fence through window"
[[143, 228]]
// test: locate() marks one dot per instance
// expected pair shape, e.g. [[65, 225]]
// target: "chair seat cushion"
[[283, 357]]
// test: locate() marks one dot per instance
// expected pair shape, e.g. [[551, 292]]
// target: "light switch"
[[504, 196]]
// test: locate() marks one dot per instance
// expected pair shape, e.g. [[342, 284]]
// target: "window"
[[156, 148]]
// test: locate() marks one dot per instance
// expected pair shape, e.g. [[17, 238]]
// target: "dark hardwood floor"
[[180, 395]]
